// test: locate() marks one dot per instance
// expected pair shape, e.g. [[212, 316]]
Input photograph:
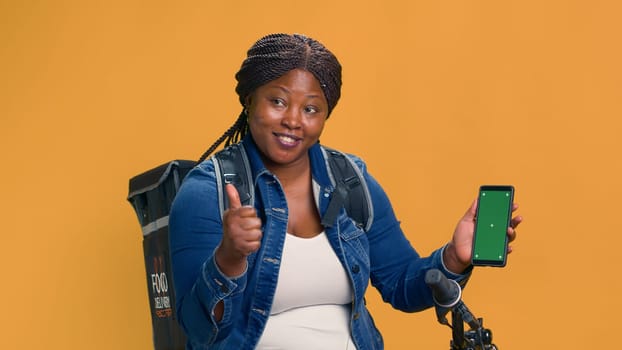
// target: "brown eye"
[[278, 102], [311, 109]]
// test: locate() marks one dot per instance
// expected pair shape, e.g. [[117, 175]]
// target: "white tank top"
[[312, 301]]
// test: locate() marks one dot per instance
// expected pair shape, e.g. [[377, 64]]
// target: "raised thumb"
[[233, 196]]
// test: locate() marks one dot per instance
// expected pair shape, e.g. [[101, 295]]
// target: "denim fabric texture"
[[381, 255]]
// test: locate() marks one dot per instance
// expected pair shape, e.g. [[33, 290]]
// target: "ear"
[[247, 103]]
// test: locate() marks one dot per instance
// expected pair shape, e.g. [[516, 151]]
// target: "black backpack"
[[151, 195]]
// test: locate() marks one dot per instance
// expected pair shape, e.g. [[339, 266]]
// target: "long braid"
[[272, 57], [234, 134]]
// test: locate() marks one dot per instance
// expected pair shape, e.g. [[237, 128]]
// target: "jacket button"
[[356, 269], [356, 316]]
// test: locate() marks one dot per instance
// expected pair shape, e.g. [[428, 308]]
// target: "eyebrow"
[[287, 91]]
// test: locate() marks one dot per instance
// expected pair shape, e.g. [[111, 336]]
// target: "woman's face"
[[286, 117]]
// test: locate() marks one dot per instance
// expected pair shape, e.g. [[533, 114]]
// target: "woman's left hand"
[[457, 257]]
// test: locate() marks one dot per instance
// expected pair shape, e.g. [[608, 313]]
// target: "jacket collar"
[[316, 157]]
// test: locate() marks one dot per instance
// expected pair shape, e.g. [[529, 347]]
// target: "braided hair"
[[272, 57]]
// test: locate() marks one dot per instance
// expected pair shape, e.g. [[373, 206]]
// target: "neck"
[[291, 173]]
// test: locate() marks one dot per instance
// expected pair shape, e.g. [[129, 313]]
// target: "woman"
[[271, 276]]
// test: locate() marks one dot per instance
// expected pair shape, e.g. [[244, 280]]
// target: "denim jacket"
[[382, 255]]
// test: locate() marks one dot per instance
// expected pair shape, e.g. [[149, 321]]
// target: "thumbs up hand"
[[241, 235]]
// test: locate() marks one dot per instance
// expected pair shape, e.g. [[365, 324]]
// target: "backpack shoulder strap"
[[351, 190], [231, 166]]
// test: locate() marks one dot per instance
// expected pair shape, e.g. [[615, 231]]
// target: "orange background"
[[438, 98]]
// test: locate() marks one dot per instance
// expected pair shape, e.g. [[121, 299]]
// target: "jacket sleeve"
[[195, 227], [396, 269]]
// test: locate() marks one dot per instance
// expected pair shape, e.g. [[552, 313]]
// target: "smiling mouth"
[[288, 140]]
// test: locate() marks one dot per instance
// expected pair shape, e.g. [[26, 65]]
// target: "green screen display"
[[491, 226]]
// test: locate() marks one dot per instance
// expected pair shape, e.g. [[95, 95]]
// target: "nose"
[[292, 118]]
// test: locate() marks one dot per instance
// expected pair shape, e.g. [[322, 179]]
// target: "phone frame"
[[485, 262]]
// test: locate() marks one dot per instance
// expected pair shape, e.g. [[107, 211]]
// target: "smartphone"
[[494, 212]]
